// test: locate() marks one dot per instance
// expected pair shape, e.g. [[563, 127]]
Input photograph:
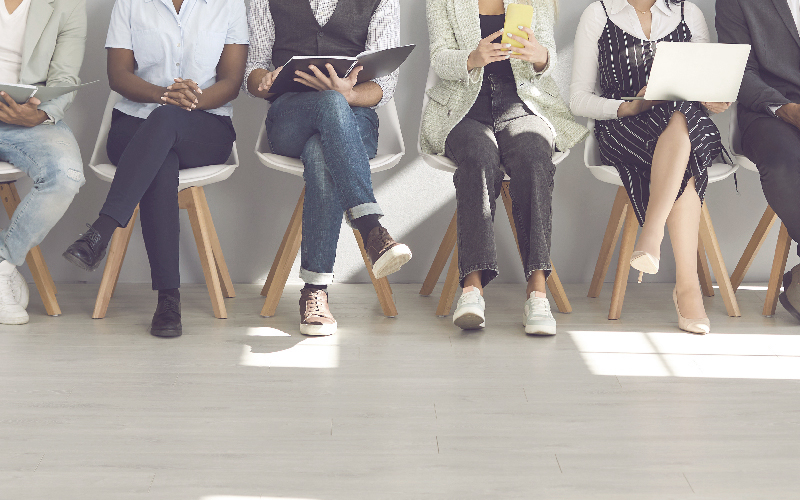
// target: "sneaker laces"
[[540, 308], [314, 303]]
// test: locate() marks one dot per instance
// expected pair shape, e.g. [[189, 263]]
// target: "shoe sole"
[[391, 261], [167, 334], [15, 321], [78, 262], [644, 264], [539, 330], [318, 330], [470, 320]]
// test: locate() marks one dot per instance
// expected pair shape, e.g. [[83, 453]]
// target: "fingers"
[[491, 37], [190, 84], [308, 80], [34, 102], [642, 92], [178, 99], [319, 74], [353, 76], [519, 39], [11, 103], [185, 90]]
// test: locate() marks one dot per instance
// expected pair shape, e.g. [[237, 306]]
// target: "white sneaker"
[[19, 287], [11, 312], [537, 319], [470, 311]]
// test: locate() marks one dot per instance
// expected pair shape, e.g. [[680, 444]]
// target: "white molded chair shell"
[[391, 147], [190, 177], [10, 173], [444, 163], [736, 141], [718, 171]]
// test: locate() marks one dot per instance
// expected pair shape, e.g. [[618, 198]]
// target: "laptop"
[[704, 72]]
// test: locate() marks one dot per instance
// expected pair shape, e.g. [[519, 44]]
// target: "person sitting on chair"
[[498, 105], [769, 108], [178, 65], [662, 150], [333, 129], [41, 43]]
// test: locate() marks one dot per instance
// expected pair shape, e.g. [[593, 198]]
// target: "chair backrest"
[[200, 176], [391, 146], [10, 173], [440, 162], [736, 140]]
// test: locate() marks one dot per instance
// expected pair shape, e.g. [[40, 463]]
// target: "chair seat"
[[295, 167], [10, 173], [190, 177]]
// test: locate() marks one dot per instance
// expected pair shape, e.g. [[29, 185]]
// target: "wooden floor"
[[405, 408]]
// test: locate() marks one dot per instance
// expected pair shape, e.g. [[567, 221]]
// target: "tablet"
[[704, 72], [517, 15]]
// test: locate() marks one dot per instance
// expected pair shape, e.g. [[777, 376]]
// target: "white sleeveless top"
[[12, 35]]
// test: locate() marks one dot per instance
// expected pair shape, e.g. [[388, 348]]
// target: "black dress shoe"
[[87, 252], [167, 319]]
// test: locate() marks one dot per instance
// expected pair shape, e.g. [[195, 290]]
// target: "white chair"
[[9, 175], [760, 234], [448, 245], [390, 150], [192, 198], [622, 214]]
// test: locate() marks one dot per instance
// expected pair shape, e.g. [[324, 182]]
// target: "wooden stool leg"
[[778, 268], [615, 223], [116, 256], [190, 199], [219, 258], [753, 246], [703, 271], [445, 249], [382, 287], [709, 238], [629, 233], [282, 265], [450, 287], [34, 259]]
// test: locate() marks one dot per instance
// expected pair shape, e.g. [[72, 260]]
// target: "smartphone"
[[517, 15]]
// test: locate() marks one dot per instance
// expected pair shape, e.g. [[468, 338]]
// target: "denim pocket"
[[208, 48], [148, 47]]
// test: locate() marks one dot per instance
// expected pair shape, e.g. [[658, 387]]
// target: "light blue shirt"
[[168, 45]]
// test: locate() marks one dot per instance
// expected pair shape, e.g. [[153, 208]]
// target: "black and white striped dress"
[[629, 143]]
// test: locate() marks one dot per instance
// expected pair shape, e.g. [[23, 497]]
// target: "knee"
[[782, 169], [65, 178], [332, 105], [165, 116]]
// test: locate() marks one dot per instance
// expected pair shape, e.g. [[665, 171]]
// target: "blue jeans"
[[335, 142], [50, 156]]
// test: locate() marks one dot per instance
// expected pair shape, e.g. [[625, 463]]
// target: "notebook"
[[21, 93]]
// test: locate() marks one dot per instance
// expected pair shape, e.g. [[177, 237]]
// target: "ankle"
[[174, 293], [365, 225]]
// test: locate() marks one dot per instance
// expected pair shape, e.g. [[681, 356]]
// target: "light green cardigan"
[[455, 31]]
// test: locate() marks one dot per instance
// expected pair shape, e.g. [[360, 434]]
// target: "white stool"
[[192, 198], [760, 234], [622, 214], [390, 150], [9, 175], [448, 245]]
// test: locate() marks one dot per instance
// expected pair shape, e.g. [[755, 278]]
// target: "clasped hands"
[[488, 52], [23, 115], [318, 80], [633, 108], [183, 93]]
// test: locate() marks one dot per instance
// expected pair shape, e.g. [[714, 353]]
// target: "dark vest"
[[297, 32]]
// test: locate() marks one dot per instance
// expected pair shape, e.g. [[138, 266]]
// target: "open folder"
[[21, 93], [376, 64]]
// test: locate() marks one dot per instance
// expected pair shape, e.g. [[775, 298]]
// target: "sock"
[[309, 286], [539, 295], [106, 226], [366, 224], [170, 292]]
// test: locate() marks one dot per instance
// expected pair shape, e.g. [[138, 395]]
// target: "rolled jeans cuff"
[[313, 278], [547, 268], [361, 211]]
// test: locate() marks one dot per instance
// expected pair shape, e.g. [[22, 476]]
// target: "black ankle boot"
[[167, 319], [88, 251]]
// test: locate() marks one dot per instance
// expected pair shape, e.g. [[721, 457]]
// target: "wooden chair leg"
[[445, 249], [450, 287], [382, 287], [778, 268], [282, 265], [615, 223], [116, 256], [190, 199], [753, 246], [219, 258], [629, 233], [703, 271], [709, 239], [34, 259]]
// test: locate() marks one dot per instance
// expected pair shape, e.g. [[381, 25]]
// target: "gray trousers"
[[500, 135]]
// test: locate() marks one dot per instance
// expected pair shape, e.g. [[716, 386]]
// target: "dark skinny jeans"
[[501, 135]]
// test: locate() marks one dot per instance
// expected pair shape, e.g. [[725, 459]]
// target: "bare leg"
[[474, 279], [536, 283], [669, 166], [684, 225]]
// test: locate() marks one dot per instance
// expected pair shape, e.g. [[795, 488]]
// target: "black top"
[[489, 25]]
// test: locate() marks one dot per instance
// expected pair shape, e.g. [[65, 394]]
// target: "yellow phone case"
[[517, 15]]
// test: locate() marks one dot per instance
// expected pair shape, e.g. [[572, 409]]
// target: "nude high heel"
[[644, 263], [699, 326]]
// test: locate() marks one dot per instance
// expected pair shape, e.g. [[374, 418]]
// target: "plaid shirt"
[[384, 33]]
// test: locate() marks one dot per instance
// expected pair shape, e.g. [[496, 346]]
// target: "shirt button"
[[320, 34], [177, 64]]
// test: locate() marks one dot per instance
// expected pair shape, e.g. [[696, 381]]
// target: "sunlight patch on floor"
[[313, 352]]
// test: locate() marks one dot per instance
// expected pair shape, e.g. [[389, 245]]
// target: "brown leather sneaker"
[[315, 316], [387, 255]]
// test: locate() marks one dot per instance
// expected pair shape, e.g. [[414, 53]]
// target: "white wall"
[[252, 208]]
